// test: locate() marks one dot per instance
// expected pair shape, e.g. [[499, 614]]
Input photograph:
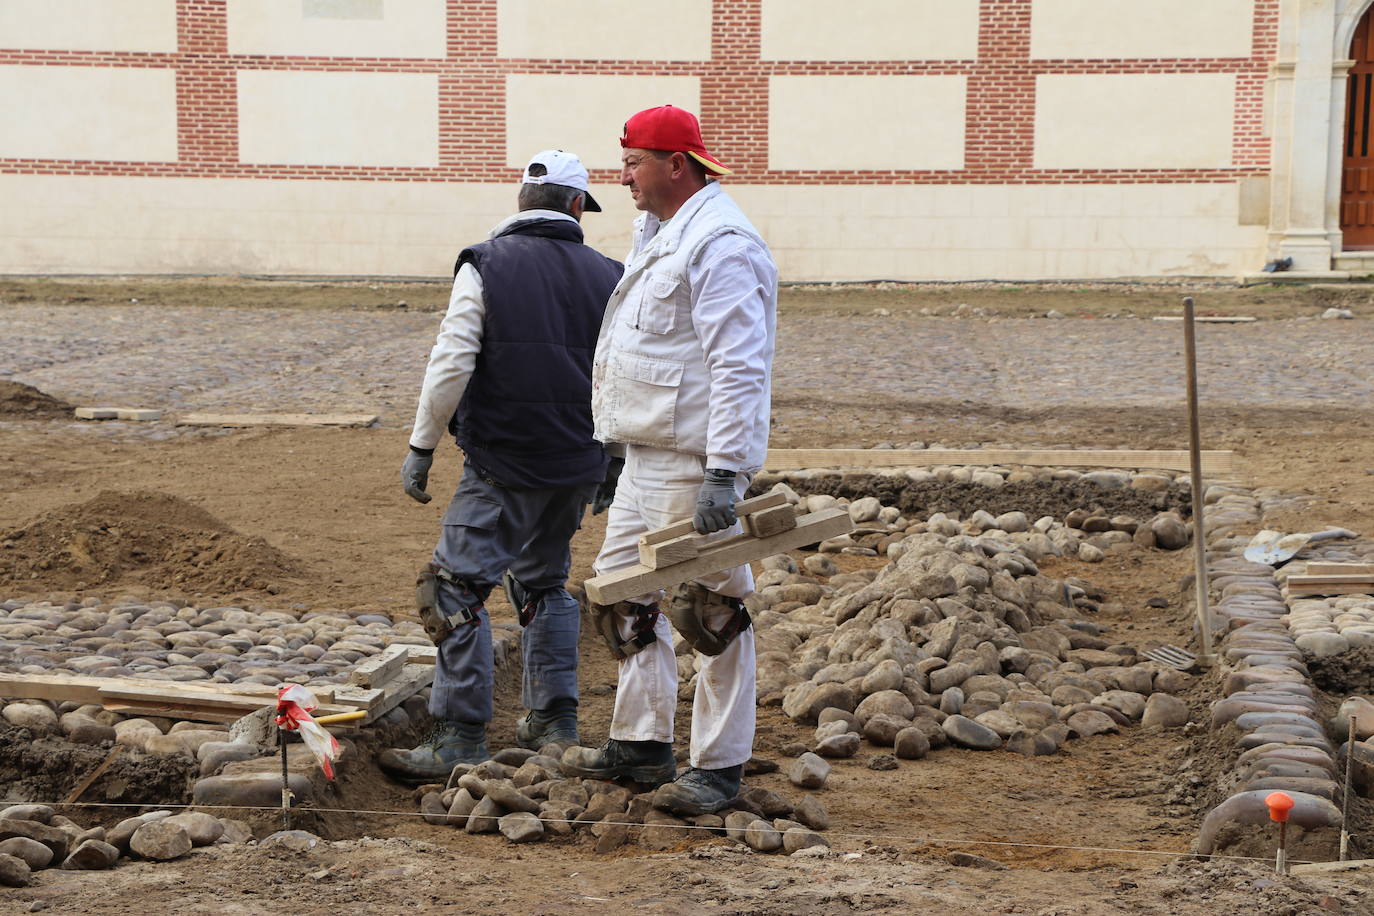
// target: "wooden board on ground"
[[1210, 319], [411, 680], [1340, 569], [785, 459], [422, 655], [381, 667], [86, 689], [1321, 591], [1306, 580], [276, 419], [731, 552]]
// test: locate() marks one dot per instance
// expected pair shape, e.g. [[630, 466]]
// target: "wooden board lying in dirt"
[[276, 419], [786, 459], [1341, 569], [735, 551]]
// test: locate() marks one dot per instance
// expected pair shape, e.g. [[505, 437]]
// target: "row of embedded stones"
[[1268, 699], [1082, 534], [1326, 626], [33, 837], [171, 641], [524, 796], [959, 639]]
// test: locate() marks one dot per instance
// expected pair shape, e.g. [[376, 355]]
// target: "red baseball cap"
[[674, 130]]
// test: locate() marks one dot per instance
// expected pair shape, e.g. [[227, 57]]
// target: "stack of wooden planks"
[[676, 553], [1332, 579], [377, 686]]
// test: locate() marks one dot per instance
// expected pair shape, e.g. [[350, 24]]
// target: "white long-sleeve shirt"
[[684, 359], [454, 355]]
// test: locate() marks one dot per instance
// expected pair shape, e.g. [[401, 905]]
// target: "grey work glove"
[[415, 474], [715, 501], [605, 491]]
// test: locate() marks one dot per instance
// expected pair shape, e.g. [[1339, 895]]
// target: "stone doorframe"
[[1307, 104]]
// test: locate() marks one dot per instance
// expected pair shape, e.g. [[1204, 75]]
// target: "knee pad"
[[605, 619], [688, 607], [524, 599], [437, 624]]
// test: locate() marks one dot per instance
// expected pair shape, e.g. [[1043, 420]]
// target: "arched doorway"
[[1357, 173]]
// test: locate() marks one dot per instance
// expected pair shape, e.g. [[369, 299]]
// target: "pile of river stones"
[[958, 640], [34, 837], [524, 796]]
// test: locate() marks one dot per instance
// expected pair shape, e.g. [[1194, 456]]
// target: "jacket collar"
[[544, 223], [666, 238]]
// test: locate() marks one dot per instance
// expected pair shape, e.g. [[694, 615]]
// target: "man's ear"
[[677, 164], [578, 205]]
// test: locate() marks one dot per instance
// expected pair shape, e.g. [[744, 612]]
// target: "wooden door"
[[1357, 177]]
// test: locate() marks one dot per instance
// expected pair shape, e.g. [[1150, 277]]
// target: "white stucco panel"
[[338, 28], [866, 122], [1134, 121], [88, 113], [586, 114], [600, 30], [870, 30], [89, 25], [1097, 29], [298, 117]]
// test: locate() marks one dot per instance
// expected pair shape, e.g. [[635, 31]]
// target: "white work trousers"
[[656, 488]]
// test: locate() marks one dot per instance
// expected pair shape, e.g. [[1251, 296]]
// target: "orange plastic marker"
[[1280, 803]]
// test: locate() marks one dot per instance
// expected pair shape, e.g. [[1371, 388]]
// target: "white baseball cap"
[[562, 168]]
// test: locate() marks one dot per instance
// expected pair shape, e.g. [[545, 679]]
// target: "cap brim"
[[589, 203], [712, 164]]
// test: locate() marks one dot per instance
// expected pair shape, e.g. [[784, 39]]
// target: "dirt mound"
[[148, 539], [25, 402]]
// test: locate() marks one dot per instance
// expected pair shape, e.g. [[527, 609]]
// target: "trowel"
[[1274, 548]]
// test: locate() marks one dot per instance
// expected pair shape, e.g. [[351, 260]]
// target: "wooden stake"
[[1345, 793], [1204, 610]]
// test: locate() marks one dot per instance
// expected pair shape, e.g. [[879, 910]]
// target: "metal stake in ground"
[[1345, 793], [1204, 610], [285, 785], [1280, 803]]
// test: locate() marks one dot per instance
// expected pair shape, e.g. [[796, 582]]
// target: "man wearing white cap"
[[681, 382], [510, 378]]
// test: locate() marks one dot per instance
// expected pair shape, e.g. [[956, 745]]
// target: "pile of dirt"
[[49, 769], [147, 539], [25, 402]]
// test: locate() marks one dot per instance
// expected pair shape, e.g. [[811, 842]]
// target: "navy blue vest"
[[526, 416]]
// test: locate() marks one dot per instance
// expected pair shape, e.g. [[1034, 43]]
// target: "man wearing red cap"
[[681, 382]]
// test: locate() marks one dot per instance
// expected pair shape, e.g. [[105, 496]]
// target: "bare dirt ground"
[[324, 513]]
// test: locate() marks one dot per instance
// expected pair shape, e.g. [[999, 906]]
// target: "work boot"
[[698, 792], [648, 762], [556, 722], [449, 743]]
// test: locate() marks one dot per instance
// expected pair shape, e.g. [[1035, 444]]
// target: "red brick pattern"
[[1000, 124]]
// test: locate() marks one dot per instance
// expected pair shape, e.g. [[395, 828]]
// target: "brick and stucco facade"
[[897, 139]]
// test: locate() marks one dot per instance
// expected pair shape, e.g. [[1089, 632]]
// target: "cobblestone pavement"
[[291, 360]]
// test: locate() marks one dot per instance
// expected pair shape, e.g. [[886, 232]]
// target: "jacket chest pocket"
[[661, 294]]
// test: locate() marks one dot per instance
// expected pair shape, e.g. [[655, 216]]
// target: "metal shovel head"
[[1274, 547]]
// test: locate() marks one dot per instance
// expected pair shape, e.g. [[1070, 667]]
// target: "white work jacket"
[[685, 354]]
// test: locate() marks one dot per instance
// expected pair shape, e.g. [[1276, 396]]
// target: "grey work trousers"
[[488, 529]]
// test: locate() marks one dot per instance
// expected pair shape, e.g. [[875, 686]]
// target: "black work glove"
[[715, 501], [605, 491], [415, 474]]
